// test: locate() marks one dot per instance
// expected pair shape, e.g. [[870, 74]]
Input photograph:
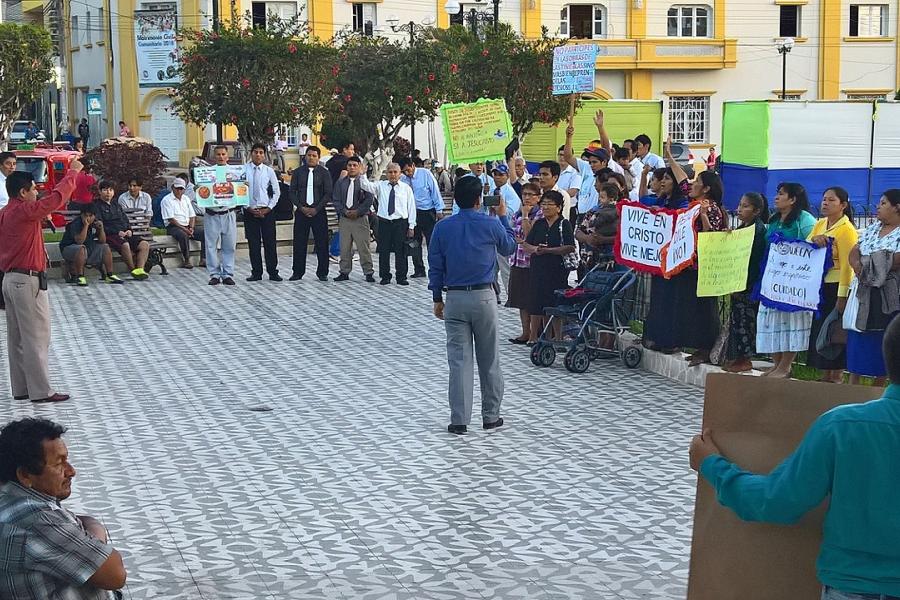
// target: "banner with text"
[[680, 252], [641, 236], [573, 69], [222, 186], [793, 274], [723, 258], [476, 132], [156, 47]]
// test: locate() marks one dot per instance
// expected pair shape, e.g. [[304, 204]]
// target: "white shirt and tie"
[[404, 202], [4, 197], [310, 197], [259, 178]]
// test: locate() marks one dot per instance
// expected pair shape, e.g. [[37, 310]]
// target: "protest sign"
[[757, 422], [642, 234], [679, 253], [792, 279], [573, 69], [476, 132], [222, 186], [723, 258]]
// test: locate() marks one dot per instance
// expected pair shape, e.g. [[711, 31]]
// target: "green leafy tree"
[[255, 78], [25, 68], [384, 86], [503, 64]]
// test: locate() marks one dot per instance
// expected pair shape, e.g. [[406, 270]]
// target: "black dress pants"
[[260, 234], [319, 227], [425, 221], [392, 238]]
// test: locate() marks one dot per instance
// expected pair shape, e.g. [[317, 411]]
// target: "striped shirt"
[[45, 552]]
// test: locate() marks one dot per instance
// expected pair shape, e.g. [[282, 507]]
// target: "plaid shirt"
[[45, 552], [520, 258]]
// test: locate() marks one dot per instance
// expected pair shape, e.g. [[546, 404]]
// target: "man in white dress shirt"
[[643, 152], [179, 216], [259, 218], [396, 224], [136, 198]]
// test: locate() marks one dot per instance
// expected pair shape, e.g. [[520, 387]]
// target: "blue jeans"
[[829, 593]]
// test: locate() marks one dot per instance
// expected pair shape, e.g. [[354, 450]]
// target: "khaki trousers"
[[27, 335], [355, 231]]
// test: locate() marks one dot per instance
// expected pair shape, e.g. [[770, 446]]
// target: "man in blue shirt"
[[850, 454], [462, 259], [429, 207]]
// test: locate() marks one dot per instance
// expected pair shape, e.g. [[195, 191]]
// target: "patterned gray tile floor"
[[350, 486]]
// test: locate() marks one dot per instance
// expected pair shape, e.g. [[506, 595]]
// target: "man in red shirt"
[[24, 262]]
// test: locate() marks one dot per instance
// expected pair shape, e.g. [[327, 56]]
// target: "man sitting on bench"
[[84, 243], [134, 251]]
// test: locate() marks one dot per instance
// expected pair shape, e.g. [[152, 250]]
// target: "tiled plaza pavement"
[[350, 486]]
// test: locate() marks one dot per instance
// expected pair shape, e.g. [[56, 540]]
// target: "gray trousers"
[[502, 273], [27, 335], [224, 228], [470, 319], [355, 232]]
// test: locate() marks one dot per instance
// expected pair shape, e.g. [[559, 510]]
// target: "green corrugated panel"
[[624, 120], [745, 133]]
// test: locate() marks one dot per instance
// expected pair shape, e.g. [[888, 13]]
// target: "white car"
[[17, 133]]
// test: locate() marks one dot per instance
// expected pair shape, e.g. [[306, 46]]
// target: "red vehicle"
[[48, 165]]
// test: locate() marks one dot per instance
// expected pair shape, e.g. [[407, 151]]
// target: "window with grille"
[[689, 21], [868, 20], [259, 12], [364, 18], [689, 119], [789, 22], [583, 21]]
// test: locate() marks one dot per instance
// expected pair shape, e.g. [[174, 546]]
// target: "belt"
[[210, 211], [27, 272], [470, 288]]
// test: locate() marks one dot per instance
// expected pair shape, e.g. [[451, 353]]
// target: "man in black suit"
[[310, 190]]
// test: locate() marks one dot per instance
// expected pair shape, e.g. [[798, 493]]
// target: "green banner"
[[745, 133], [476, 132]]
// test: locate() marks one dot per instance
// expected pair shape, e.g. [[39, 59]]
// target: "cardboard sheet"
[[757, 423]]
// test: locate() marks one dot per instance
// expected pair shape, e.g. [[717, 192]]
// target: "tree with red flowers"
[[383, 86], [503, 64], [256, 78]]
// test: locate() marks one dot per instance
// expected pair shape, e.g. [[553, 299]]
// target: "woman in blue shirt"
[[781, 333]]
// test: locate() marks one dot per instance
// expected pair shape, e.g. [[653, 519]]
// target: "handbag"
[[851, 310], [571, 260]]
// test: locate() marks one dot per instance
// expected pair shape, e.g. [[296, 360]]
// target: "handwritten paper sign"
[[573, 69], [792, 279], [642, 235], [222, 186], [679, 253], [476, 132], [722, 261]]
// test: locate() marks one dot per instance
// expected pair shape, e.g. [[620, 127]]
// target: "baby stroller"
[[595, 313]]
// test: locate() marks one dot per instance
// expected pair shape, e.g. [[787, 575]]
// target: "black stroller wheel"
[[536, 355], [577, 360], [543, 355], [631, 357]]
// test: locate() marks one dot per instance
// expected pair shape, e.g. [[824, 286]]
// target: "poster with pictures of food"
[[222, 186]]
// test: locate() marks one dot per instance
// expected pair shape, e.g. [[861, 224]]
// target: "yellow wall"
[[321, 18], [126, 67], [639, 85], [830, 49], [531, 18]]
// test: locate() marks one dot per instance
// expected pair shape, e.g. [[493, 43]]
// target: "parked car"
[[235, 152], [17, 133], [47, 166]]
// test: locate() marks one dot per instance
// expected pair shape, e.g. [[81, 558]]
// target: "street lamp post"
[[413, 28], [474, 16], [784, 47]]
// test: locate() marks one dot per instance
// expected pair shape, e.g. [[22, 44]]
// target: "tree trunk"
[[380, 162]]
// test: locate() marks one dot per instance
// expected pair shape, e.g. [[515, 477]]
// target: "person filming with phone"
[[462, 259]]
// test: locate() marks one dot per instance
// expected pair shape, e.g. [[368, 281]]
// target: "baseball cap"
[[501, 168], [596, 152], [178, 183], [438, 165]]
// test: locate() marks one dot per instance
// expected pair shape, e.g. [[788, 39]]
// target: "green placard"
[[745, 133], [476, 132]]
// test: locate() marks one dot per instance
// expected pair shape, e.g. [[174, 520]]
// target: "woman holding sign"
[[781, 333], [864, 356], [836, 225]]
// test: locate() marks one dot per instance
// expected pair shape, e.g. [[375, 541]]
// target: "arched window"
[[583, 21], [690, 21]]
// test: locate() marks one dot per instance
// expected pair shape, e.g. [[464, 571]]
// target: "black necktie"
[[392, 199]]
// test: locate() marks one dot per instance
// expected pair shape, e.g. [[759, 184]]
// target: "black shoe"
[[384, 281], [54, 398], [228, 281], [342, 277], [276, 277], [418, 274], [214, 281], [323, 277], [25, 397], [402, 282], [494, 425], [295, 277], [255, 278], [370, 278], [457, 429]]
